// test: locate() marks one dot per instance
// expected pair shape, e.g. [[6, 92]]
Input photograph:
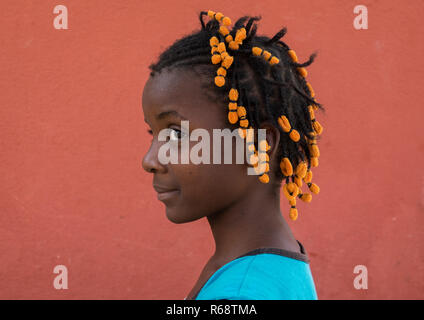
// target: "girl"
[[218, 78]]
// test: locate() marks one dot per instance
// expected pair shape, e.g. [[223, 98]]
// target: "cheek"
[[206, 187]]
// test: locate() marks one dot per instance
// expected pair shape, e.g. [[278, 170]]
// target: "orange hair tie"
[[257, 51], [302, 72], [286, 167], [218, 16], [293, 55], [285, 125], [232, 106], [262, 166]]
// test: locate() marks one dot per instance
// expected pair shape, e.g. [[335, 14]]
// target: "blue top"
[[262, 274]]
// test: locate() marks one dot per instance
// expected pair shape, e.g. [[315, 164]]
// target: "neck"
[[255, 221]]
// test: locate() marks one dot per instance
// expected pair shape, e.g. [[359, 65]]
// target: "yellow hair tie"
[[308, 176], [250, 142], [313, 148], [263, 160], [293, 213], [219, 81], [300, 173], [285, 125], [227, 62], [290, 190], [232, 115], [219, 17], [242, 133], [221, 72], [286, 167], [274, 60], [226, 21], [233, 45], [301, 169], [216, 58], [233, 94], [302, 72], [241, 112], [264, 178], [213, 41], [240, 35], [317, 126], [238, 40], [313, 187], [244, 123], [306, 197], [225, 33], [254, 158], [266, 54], [223, 30], [298, 181], [222, 47], [293, 55], [264, 146], [257, 51]]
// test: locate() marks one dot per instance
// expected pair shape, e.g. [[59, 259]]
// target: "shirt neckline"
[[302, 256]]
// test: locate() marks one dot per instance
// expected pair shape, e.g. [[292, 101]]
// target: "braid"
[[262, 80]]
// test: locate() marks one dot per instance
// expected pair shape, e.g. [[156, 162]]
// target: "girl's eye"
[[175, 134]]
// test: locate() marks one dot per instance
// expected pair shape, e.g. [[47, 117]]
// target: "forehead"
[[186, 92]]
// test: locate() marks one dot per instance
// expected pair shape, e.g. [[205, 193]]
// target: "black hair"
[[266, 91]]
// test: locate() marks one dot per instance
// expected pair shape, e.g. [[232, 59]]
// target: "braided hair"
[[266, 83]]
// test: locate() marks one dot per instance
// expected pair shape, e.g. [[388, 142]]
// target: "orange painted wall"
[[72, 137]]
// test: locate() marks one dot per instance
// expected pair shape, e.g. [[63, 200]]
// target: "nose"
[[150, 161]]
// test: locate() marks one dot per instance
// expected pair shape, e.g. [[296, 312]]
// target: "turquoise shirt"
[[262, 274]]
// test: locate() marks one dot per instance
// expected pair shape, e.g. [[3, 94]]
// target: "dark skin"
[[243, 213]]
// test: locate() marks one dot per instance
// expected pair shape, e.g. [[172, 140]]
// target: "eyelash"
[[179, 134], [173, 130]]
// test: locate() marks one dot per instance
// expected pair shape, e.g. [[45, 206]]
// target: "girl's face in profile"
[[189, 191]]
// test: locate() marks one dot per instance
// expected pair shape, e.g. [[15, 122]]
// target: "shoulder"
[[260, 277]]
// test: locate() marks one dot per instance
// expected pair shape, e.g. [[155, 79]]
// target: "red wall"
[[73, 191]]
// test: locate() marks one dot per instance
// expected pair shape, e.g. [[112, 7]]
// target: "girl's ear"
[[272, 137]]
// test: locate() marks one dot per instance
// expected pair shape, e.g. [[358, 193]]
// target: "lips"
[[166, 193]]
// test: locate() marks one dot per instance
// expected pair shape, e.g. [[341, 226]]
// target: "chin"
[[179, 216]]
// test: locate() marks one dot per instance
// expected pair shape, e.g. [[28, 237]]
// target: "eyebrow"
[[170, 113]]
